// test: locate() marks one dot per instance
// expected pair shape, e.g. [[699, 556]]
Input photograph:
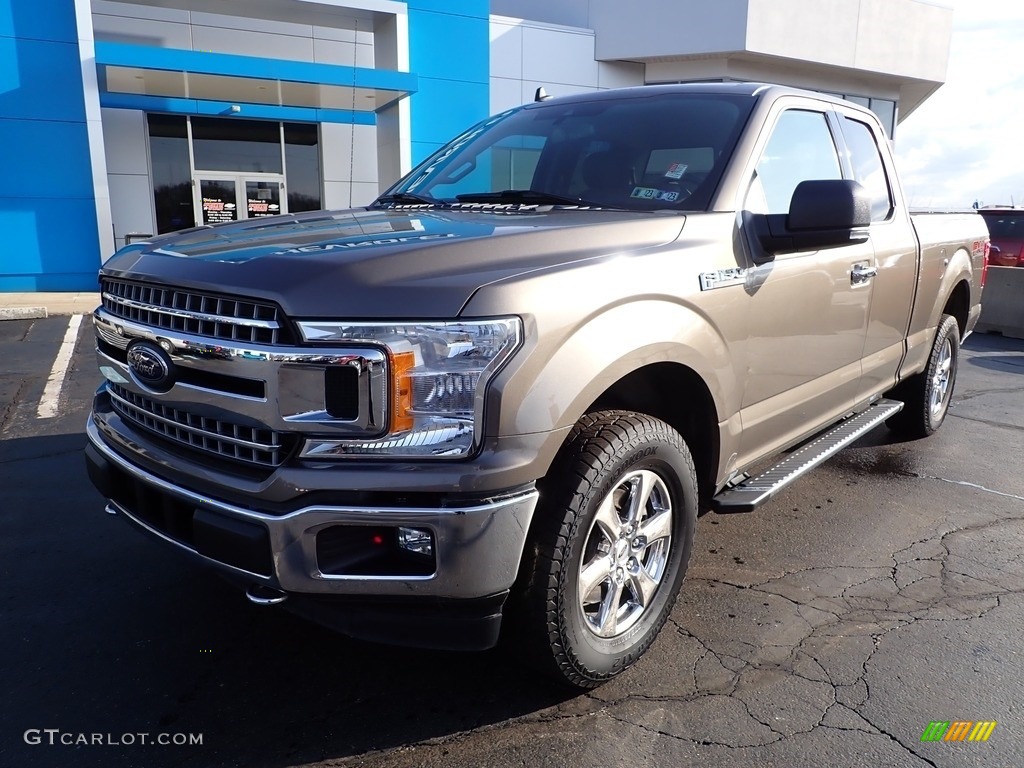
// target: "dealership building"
[[122, 120]]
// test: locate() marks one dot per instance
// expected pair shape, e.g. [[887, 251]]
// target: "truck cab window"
[[800, 148], [867, 166]]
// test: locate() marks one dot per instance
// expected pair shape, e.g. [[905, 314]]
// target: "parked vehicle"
[[1006, 230], [498, 398]]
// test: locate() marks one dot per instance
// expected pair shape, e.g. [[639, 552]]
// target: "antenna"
[[541, 95]]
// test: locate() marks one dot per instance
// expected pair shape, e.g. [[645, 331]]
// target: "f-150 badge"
[[722, 278]]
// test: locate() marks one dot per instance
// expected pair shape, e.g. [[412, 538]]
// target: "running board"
[[752, 492]]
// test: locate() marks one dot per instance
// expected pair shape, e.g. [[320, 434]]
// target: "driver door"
[[807, 312]]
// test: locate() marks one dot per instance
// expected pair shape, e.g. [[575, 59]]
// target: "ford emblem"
[[150, 366]]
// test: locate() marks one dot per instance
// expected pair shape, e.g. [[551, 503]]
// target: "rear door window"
[[868, 169]]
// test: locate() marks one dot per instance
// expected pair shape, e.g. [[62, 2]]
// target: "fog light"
[[416, 540]]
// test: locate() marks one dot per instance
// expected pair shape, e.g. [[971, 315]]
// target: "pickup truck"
[[494, 402]]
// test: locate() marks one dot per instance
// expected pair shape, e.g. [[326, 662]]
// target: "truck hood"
[[380, 263]]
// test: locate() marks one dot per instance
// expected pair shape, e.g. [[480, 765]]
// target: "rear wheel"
[[609, 547], [926, 395]]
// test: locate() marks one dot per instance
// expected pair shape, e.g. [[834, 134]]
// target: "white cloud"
[[966, 142]]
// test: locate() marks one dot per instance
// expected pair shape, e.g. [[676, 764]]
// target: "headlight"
[[438, 375]]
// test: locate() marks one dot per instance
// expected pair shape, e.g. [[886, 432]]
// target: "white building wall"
[[526, 55], [844, 46], [345, 44], [349, 156], [131, 191], [349, 153]]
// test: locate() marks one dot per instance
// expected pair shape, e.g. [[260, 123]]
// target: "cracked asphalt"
[[880, 593]]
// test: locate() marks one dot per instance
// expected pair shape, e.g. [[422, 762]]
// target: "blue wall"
[[48, 221], [47, 203], [449, 50]]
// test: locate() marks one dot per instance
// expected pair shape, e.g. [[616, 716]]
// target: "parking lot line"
[[51, 394]]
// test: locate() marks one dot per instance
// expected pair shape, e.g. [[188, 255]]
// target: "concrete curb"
[[22, 313], [26, 306]]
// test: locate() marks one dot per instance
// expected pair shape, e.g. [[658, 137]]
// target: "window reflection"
[[302, 166], [172, 176], [236, 145], [800, 148], [867, 167]]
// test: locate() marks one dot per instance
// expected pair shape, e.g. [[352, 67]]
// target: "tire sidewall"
[[599, 658], [948, 330]]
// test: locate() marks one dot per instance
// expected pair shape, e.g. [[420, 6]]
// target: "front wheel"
[[926, 395], [610, 545]]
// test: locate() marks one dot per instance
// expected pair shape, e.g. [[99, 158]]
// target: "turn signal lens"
[[401, 397]]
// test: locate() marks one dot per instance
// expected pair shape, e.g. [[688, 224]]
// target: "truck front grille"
[[200, 314], [251, 445]]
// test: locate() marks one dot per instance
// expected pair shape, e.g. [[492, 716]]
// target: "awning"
[[169, 73]]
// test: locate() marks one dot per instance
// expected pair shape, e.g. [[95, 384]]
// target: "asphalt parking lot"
[[882, 593]]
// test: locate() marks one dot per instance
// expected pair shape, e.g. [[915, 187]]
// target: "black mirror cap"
[[822, 214], [829, 205]]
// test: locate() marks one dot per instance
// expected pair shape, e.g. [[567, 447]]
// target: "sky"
[[966, 142]]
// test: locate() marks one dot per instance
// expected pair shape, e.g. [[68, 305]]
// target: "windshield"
[[637, 152]]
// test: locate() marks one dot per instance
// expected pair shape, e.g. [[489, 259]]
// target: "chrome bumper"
[[478, 548]]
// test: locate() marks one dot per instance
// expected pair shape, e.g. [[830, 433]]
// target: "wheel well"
[[679, 397], [959, 305]]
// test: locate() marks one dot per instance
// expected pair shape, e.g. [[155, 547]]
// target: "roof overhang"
[[168, 73]]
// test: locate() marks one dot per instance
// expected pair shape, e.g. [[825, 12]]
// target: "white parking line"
[[51, 394]]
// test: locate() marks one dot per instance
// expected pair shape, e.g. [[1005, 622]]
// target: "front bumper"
[[477, 546]]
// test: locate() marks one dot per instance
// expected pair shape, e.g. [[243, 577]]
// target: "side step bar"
[[752, 492]]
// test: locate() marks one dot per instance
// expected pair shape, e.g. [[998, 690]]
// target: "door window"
[[218, 200], [801, 148], [262, 198], [868, 168], [226, 197]]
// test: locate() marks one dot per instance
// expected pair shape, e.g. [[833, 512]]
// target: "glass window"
[[1005, 226], [657, 151], [302, 166], [172, 174], [220, 144], [262, 199], [886, 111], [800, 149], [867, 166], [220, 204], [514, 162]]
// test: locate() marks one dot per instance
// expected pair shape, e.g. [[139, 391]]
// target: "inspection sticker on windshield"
[[650, 193], [676, 171]]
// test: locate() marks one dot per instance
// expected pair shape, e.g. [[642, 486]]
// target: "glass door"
[[262, 198], [224, 197], [216, 199]]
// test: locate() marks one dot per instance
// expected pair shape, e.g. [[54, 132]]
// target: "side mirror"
[[822, 214]]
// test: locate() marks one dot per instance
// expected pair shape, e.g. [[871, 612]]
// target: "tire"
[[608, 549], [926, 395]]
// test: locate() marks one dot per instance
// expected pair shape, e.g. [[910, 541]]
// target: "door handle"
[[861, 273]]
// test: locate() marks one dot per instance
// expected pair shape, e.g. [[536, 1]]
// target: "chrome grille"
[[262, 447], [200, 314]]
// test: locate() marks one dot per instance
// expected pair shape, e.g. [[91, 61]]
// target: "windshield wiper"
[[407, 197], [521, 196]]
